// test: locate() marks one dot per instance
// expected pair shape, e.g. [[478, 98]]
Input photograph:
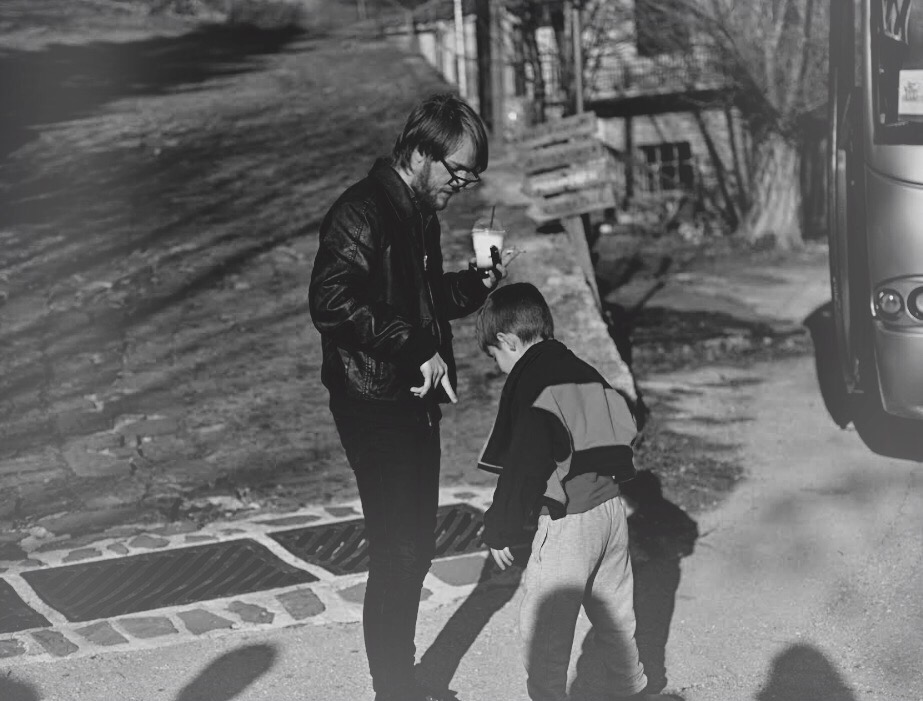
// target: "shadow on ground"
[[886, 435], [63, 82], [15, 691], [228, 676], [661, 535], [803, 672], [493, 591]]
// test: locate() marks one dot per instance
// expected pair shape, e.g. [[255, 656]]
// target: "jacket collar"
[[399, 194], [550, 348]]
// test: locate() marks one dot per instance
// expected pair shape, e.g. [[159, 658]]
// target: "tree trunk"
[[775, 209]]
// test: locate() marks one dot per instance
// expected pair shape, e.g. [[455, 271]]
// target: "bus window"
[[897, 54]]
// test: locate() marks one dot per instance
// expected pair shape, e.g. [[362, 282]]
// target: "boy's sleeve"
[[524, 478]]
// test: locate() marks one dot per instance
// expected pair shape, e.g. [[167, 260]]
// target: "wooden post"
[[629, 161], [497, 67], [577, 233], [461, 69], [483, 34], [578, 56]]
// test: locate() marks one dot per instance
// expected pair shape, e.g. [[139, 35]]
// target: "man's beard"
[[420, 185]]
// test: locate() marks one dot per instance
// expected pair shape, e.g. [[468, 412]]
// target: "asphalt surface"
[[802, 585]]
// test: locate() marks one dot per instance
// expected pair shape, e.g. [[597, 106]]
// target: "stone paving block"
[[150, 427], [356, 593], [46, 462], [459, 571], [341, 511], [301, 603], [251, 613], [148, 626], [30, 564], [86, 463], [164, 448], [106, 440], [102, 634], [289, 520], [11, 648], [80, 423], [55, 643], [199, 621], [176, 528], [81, 554], [150, 542]]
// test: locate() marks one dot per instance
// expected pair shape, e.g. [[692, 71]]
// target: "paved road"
[[803, 585]]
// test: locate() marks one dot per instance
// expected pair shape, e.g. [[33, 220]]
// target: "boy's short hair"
[[436, 128], [518, 308]]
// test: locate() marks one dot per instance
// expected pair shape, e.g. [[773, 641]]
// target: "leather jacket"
[[379, 295]]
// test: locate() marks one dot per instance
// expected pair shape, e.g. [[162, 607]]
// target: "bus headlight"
[[915, 303], [889, 303]]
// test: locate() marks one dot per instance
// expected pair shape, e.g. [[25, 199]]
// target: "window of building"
[[669, 166]]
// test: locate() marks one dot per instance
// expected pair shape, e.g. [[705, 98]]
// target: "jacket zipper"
[[426, 284]]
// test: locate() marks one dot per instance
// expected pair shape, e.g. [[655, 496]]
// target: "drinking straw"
[[492, 210]]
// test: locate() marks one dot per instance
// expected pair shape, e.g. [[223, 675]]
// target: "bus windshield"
[[897, 55]]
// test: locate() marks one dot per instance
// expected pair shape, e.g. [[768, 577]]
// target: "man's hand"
[[503, 558], [435, 372], [498, 272]]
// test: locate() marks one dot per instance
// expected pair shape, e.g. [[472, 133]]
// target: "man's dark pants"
[[394, 454]]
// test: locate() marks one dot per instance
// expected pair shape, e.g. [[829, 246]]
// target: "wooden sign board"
[[574, 177], [580, 126], [581, 151], [573, 203]]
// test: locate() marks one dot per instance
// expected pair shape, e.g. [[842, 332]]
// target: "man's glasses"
[[456, 181]]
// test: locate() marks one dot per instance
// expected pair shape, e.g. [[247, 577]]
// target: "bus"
[[875, 199]]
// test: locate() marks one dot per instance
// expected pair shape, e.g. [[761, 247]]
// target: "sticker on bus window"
[[910, 98]]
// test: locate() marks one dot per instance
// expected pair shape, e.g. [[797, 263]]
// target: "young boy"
[[561, 443]]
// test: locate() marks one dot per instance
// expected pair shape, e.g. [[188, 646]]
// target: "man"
[[382, 303]]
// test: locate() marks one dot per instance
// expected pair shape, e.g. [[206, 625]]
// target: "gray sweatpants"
[[579, 560]]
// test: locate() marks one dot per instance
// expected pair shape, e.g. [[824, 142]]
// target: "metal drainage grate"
[[15, 613], [342, 548], [106, 588]]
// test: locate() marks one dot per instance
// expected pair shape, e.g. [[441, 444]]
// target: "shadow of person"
[[11, 690], [493, 590], [229, 675], [660, 535], [803, 672]]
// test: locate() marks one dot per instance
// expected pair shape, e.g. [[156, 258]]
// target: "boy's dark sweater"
[[561, 441]]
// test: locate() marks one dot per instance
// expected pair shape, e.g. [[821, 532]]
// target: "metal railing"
[[619, 74]]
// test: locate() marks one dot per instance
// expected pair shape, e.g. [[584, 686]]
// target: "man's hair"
[[437, 126], [518, 308]]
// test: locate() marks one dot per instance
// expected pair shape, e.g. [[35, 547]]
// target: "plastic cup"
[[485, 236]]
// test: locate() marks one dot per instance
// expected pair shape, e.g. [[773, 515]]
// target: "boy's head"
[[514, 318]]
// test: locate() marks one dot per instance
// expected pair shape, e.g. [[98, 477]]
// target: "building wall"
[[675, 127]]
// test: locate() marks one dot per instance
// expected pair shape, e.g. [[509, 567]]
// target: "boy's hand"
[[503, 558]]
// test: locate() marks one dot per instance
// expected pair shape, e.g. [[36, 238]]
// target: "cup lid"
[[484, 223]]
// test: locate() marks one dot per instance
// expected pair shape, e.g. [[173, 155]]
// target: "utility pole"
[[577, 29], [460, 57], [491, 81], [360, 8]]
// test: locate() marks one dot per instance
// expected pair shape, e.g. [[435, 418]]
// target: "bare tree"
[[772, 57], [774, 54]]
